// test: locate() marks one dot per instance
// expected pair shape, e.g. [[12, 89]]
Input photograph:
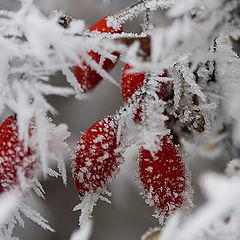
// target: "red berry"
[[132, 82], [13, 157], [87, 77], [163, 177], [96, 161], [101, 26]]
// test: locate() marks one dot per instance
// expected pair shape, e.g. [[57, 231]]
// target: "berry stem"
[[130, 12], [147, 20]]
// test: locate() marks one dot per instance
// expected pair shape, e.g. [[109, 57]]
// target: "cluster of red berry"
[[162, 174]]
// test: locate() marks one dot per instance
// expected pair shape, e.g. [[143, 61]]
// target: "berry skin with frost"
[[96, 161], [133, 81], [13, 157], [163, 177], [87, 77]]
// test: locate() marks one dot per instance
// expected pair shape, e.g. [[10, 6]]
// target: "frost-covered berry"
[[87, 77], [96, 161], [133, 81], [163, 177], [14, 159]]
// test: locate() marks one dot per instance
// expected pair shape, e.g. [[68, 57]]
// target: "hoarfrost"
[[82, 233], [35, 217], [8, 202], [87, 204]]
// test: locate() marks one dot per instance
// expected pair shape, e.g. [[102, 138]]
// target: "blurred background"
[[128, 217]]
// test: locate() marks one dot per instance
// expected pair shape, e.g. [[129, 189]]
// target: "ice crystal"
[[82, 233]]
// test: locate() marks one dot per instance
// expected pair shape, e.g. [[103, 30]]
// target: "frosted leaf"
[[83, 233]]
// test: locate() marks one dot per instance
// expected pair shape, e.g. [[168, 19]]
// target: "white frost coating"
[[14, 216], [23, 181], [87, 204], [38, 189], [86, 207], [35, 217], [113, 22], [53, 173], [8, 203], [17, 216], [58, 148], [76, 26], [98, 68], [27, 63], [74, 83], [188, 36], [28, 57], [190, 79], [130, 12], [83, 233], [163, 4]]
